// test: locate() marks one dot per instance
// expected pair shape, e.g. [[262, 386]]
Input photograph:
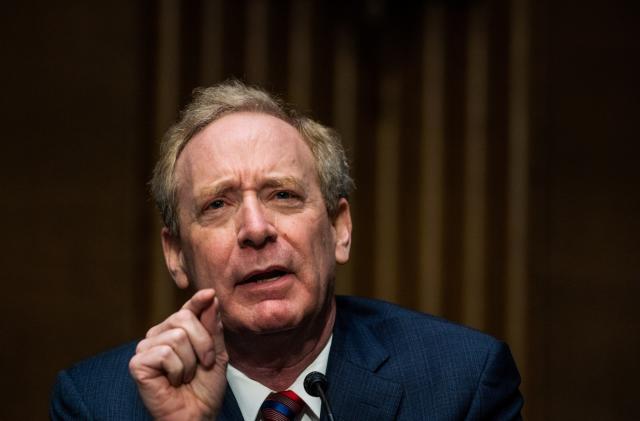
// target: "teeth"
[[262, 281]]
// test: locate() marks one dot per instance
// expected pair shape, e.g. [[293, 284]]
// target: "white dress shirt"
[[250, 394]]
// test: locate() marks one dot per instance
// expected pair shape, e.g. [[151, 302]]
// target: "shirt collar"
[[250, 394]]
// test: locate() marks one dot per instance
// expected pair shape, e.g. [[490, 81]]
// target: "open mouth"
[[265, 276]]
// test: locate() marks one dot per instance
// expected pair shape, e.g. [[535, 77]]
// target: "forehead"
[[244, 142]]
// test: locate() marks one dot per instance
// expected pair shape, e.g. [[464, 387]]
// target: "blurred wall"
[[75, 113], [491, 142]]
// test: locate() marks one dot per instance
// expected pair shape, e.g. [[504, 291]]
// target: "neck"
[[271, 366]]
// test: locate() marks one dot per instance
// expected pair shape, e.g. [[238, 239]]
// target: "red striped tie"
[[281, 406]]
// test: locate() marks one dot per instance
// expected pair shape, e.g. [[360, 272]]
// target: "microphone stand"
[[315, 384]]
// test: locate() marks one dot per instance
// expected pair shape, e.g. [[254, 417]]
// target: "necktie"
[[281, 406]]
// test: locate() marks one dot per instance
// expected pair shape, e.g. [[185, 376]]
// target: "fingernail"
[[208, 358]]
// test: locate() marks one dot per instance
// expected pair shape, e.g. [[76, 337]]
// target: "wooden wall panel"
[[585, 279], [74, 144], [477, 146], [432, 187], [518, 223]]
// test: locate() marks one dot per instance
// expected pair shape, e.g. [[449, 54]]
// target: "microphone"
[[315, 384]]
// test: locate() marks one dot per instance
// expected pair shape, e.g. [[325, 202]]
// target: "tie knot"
[[282, 406]]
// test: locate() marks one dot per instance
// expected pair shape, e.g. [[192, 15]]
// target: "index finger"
[[206, 306], [212, 321], [200, 301]]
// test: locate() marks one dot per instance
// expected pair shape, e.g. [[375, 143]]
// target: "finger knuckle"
[[142, 345], [179, 336], [133, 364], [150, 332], [183, 316], [135, 367], [164, 351]]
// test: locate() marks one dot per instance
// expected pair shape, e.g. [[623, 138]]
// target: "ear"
[[174, 258], [342, 229]]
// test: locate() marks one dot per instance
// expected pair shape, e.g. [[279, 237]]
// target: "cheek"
[[211, 263], [321, 250], [324, 238]]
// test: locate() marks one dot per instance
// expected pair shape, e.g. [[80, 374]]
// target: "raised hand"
[[180, 367]]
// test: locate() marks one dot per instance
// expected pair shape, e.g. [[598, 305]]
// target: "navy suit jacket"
[[385, 363]]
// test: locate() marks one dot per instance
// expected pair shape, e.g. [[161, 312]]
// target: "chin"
[[277, 321], [272, 328], [271, 316], [274, 317]]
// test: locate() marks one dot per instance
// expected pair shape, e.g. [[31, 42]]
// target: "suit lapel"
[[355, 390], [230, 410]]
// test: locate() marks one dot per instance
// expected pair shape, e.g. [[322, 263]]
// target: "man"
[[254, 200]]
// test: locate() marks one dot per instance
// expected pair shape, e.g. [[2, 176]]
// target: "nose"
[[255, 229]]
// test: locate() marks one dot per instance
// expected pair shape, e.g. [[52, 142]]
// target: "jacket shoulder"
[[99, 387], [107, 368], [445, 370], [389, 321]]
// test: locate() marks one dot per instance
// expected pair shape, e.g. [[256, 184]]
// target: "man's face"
[[254, 226]]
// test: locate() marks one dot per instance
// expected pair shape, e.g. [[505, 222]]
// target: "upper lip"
[[259, 274]]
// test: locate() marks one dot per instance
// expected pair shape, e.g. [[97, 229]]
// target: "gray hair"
[[213, 103]]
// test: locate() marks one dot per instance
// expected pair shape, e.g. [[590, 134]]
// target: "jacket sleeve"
[[66, 403], [497, 396]]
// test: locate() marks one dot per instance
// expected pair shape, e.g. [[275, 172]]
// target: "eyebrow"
[[223, 186], [285, 181], [217, 189]]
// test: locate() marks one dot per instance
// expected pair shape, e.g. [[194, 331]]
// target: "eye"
[[284, 195], [216, 204]]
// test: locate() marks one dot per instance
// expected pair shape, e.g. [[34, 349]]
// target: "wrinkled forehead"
[[242, 125], [243, 143]]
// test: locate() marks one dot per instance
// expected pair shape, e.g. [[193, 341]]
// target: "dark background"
[[493, 143]]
